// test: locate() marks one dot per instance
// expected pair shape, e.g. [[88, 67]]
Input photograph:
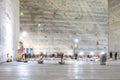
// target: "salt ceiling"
[[53, 25]]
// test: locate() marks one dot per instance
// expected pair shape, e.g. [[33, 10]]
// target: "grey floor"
[[51, 70]]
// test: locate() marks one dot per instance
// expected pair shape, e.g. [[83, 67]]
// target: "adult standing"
[[115, 55], [111, 55]]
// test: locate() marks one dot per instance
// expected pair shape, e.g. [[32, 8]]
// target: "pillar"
[[9, 28]]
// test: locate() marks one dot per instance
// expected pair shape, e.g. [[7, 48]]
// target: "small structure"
[[25, 61], [103, 59], [40, 61], [20, 52], [9, 58], [62, 60]]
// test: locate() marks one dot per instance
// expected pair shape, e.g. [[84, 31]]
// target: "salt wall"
[[63, 21]]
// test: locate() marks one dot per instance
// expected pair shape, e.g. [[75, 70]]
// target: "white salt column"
[[9, 28]]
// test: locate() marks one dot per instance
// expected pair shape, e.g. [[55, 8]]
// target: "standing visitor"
[[110, 54], [116, 56]]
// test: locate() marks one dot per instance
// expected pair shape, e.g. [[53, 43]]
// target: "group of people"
[[115, 55]]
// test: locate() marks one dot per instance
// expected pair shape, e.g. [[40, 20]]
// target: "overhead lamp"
[[81, 53], [24, 34], [92, 53], [102, 53], [76, 40], [39, 25], [21, 13]]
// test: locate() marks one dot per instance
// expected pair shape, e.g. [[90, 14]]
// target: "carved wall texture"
[[62, 21], [114, 25]]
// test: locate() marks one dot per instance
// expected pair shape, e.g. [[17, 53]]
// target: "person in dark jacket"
[[111, 55], [116, 56]]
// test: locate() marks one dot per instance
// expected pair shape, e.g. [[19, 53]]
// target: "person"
[[62, 55], [116, 56], [76, 55], [110, 54]]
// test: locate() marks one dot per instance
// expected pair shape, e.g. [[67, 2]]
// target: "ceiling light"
[[81, 53], [39, 25], [21, 14], [102, 53], [92, 53], [24, 34], [76, 40]]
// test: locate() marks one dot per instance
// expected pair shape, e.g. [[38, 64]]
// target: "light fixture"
[[24, 34], [102, 53], [21, 13], [81, 53], [76, 40], [92, 53], [39, 25]]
